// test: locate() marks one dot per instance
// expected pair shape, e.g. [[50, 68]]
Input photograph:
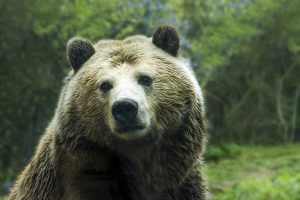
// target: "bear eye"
[[106, 86], [145, 80]]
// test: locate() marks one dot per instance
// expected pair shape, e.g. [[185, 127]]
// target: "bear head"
[[128, 91]]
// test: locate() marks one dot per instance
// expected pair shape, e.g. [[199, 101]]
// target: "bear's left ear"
[[166, 38], [79, 51]]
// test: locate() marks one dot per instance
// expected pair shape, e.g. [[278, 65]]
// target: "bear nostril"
[[125, 110]]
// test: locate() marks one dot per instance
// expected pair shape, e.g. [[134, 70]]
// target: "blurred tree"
[[249, 55], [245, 54]]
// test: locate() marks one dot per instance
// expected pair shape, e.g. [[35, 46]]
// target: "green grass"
[[254, 173]]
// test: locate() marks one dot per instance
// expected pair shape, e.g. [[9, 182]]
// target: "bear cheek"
[[91, 107], [110, 122], [145, 117], [169, 112], [104, 118]]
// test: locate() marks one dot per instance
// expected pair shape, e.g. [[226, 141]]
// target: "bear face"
[[130, 90]]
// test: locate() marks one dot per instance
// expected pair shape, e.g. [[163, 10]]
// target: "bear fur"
[[83, 156]]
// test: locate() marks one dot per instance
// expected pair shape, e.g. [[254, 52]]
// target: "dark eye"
[[145, 80], [106, 86]]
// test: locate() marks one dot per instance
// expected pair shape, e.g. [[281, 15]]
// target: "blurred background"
[[245, 53]]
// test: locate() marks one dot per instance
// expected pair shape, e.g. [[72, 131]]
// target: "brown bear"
[[129, 125]]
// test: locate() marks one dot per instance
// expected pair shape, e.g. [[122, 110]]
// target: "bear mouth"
[[130, 129]]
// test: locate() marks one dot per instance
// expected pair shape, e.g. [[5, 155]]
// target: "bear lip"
[[127, 129]]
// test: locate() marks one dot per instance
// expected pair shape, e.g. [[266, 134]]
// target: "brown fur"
[[79, 158]]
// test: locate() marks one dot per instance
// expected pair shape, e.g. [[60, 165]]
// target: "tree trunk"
[[295, 113]]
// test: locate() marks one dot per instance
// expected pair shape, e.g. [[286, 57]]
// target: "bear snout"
[[126, 116], [125, 111]]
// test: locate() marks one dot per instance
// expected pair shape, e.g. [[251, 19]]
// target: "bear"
[[129, 124]]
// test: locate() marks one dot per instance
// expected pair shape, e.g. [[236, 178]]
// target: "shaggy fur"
[[166, 38], [79, 157]]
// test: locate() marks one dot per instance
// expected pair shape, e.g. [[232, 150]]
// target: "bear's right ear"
[[79, 51], [166, 38]]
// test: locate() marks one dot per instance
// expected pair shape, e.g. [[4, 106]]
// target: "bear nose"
[[125, 110]]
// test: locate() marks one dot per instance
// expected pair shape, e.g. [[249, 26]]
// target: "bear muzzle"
[[125, 111], [125, 114]]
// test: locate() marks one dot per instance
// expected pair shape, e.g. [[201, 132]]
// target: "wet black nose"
[[125, 110]]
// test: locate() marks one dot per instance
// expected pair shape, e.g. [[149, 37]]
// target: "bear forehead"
[[131, 50], [137, 39]]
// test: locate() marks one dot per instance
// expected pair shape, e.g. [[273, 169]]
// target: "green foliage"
[[246, 55], [218, 152], [282, 187], [258, 173]]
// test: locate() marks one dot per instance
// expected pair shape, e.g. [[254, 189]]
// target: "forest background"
[[246, 56]]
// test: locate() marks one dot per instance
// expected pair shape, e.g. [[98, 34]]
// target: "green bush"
[[257, 173], [218, 152], [282, 187]]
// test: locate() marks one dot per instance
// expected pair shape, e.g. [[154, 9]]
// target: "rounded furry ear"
[[79, 50], [166, 38]]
